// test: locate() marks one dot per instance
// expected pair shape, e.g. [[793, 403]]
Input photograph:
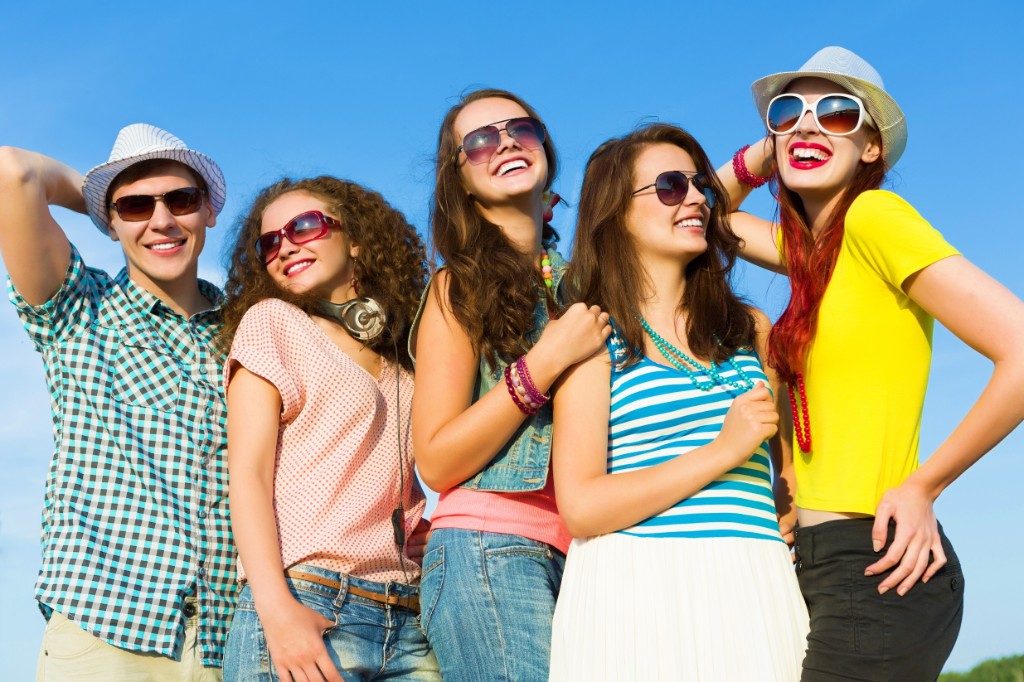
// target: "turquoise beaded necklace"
[[672, 354]]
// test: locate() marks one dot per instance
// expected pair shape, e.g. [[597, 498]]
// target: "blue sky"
[[359, 90]]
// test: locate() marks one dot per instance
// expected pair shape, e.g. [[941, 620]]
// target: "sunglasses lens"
[[529, 132], [481, 143], [701, 182], [135, 208], [141, 206], [183, 201], [268, 245], [671, 188], [837, 115], [305, 228], [784, 113]]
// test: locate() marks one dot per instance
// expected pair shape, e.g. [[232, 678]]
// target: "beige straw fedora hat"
[[854, 75], [141, 142]]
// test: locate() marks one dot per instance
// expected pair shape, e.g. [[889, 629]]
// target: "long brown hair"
[[493, 289], [810, 263], [607, 270], [391, 265]]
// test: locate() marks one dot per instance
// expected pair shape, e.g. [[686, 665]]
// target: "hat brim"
[[887, 115], [97, 181]]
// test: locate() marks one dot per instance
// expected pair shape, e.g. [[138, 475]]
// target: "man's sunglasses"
[[672, 186], [835, 114], [303, 228], [480, 144], [137, 207]]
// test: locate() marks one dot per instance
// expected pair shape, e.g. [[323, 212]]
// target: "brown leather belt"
[[412, 603]]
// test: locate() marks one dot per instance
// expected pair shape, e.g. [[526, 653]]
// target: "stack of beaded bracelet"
[[739, 168], [522, 389]]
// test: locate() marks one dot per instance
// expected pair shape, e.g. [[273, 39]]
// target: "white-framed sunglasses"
[[837, 113]]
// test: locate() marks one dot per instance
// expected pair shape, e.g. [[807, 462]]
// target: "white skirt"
[[652, 609]]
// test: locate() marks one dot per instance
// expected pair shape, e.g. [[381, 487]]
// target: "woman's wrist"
[[271, 598], [747, 177], [544, 367], [924, 484]]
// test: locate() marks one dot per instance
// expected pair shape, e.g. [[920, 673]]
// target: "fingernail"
[[902, 591], [883, 590], [868, 573], [924, 580], [876, 545]]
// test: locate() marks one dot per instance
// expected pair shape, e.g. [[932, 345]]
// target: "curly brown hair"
[[391, 265], [493, 289], [606, 269]]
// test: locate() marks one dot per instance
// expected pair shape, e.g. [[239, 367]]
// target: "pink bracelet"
[[739, 168], [531, 388], [521, 390], [512, 392]]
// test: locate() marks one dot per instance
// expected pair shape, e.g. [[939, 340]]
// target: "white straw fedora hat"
[[855, 75], [141, 142]]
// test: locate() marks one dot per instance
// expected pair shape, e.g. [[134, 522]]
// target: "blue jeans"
[[369, 641], [488, 600]]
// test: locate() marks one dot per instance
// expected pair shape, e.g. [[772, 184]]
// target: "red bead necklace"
[[802, 431]]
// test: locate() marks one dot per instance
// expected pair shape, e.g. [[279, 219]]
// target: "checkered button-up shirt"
[[136, 509]]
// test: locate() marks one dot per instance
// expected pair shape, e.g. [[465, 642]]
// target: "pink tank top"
[[532, 515]]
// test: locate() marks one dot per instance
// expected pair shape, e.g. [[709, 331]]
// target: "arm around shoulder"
[[455, 436], [35, 249]]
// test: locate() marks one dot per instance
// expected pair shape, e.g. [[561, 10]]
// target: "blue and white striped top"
[[656, 414]]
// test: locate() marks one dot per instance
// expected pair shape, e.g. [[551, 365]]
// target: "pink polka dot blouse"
[[336, 479]]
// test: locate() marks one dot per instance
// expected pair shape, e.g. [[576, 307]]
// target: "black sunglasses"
[[137, 207], [481, 143], [672, 187]]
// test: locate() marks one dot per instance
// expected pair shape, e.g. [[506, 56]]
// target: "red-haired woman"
[[868, 278]]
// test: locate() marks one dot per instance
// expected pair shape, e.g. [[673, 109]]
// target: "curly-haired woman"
[[324, 280]]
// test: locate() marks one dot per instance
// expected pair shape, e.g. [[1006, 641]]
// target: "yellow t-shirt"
[[867, 366]]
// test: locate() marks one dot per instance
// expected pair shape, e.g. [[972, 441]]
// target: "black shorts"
[[858, 634]]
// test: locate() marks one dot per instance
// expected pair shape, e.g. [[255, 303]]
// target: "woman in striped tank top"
[[679, 570]]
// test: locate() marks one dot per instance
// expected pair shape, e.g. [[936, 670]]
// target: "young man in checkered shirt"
[[137, 577]]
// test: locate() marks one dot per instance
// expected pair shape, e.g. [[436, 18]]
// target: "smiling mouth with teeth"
[[508, 167], [808, 154], [296, 268], [690, 222], [165, 246]]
